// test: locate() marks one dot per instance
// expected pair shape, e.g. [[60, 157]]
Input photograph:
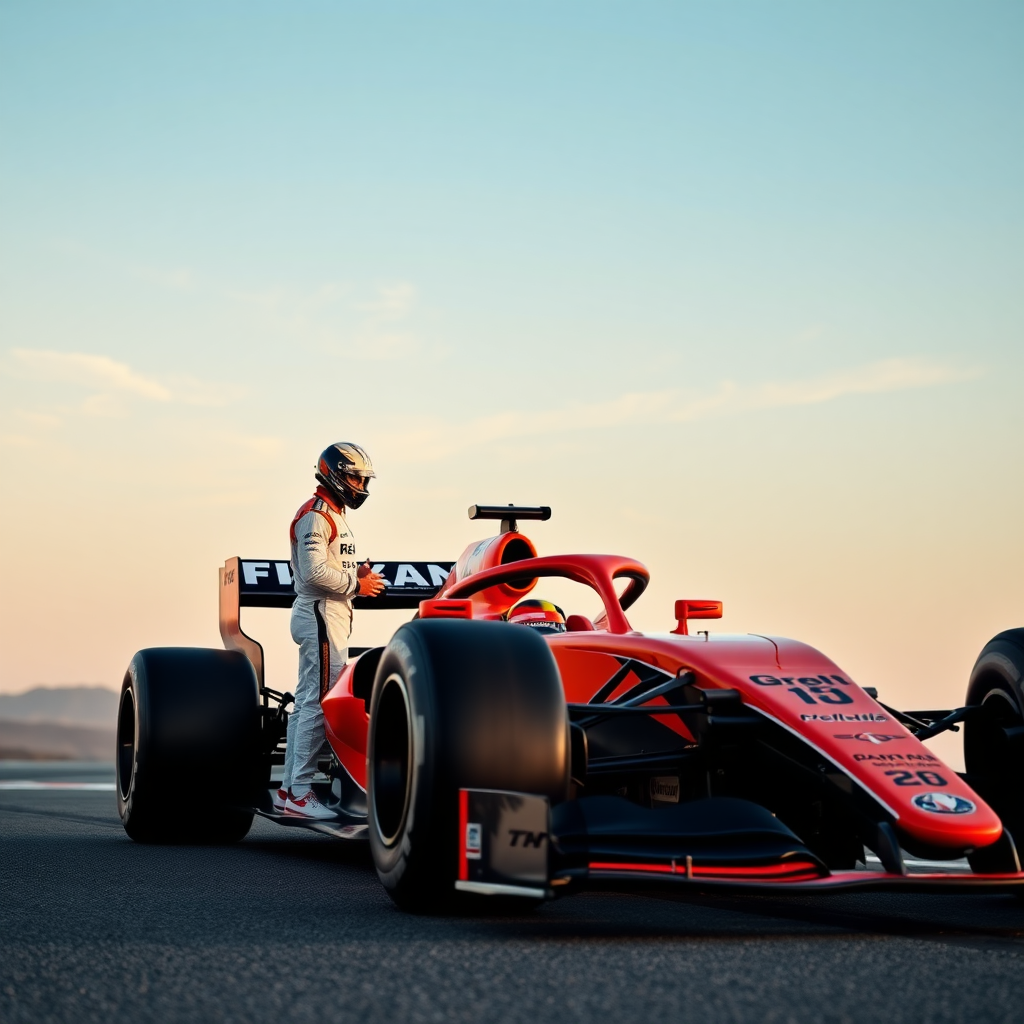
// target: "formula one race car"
[[480, 757]]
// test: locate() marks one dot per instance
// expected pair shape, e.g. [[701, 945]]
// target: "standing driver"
[[327, 577]]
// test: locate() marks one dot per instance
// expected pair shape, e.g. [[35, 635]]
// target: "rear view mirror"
[[691, 609]]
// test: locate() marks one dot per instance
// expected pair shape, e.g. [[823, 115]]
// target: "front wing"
[[844, 881], [509, 845]]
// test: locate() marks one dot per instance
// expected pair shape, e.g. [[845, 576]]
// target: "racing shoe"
[[307, 806], [279, 797]]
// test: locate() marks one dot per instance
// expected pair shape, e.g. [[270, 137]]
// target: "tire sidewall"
[[995, 769], [999, 670], [126, 803], [397, 861], [206, 704], [486, 710]]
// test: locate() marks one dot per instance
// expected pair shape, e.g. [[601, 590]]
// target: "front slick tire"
[[456, 704], [188, 725], [994, 741]]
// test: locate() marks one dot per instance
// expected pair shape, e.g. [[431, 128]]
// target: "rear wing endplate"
[[267, 583]]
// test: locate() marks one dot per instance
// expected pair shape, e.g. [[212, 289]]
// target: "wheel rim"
[[126, 744], [392, 757]]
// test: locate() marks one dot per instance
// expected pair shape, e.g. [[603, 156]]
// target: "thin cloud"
[[93, 371], [873, 379], [437, 439], [111, 381]]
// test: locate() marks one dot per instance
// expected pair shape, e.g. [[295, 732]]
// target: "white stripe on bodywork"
[[494, 889]]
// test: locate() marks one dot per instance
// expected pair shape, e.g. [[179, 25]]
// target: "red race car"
[[481, 757]]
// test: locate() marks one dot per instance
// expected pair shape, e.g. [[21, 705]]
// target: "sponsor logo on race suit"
[[870, 737], [944, 803]]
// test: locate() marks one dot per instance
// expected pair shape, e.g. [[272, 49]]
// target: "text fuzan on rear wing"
[[268, 583]]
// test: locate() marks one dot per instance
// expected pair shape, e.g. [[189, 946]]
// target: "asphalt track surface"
[[290, 926]]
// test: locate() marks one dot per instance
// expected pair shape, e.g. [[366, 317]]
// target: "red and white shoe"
[[279, 797], [307, 806]]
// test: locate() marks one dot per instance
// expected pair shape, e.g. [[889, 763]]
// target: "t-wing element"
[[691, 609], [509, 514], [596, 571]]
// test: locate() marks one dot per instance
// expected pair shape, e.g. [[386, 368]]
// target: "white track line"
[[25, 784]]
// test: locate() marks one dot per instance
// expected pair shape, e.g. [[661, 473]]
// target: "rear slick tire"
[[456, 704], [188, 724]]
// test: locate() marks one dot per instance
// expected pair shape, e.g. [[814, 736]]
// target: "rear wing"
[[267, 583]]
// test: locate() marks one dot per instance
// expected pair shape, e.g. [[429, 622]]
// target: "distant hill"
[[66, 705], [63, 723], [49, 741]]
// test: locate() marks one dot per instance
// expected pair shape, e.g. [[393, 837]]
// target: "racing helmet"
[[342, 460], [542, 616]]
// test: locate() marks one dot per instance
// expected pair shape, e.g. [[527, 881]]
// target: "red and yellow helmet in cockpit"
[[543, 616]]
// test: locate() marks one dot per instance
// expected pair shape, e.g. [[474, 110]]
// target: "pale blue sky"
[[745, 276]]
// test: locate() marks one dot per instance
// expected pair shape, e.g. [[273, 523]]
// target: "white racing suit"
[[324, 569]]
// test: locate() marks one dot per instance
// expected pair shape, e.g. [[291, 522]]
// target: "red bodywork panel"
[[790, 682], [346, 722], [809, 695]]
